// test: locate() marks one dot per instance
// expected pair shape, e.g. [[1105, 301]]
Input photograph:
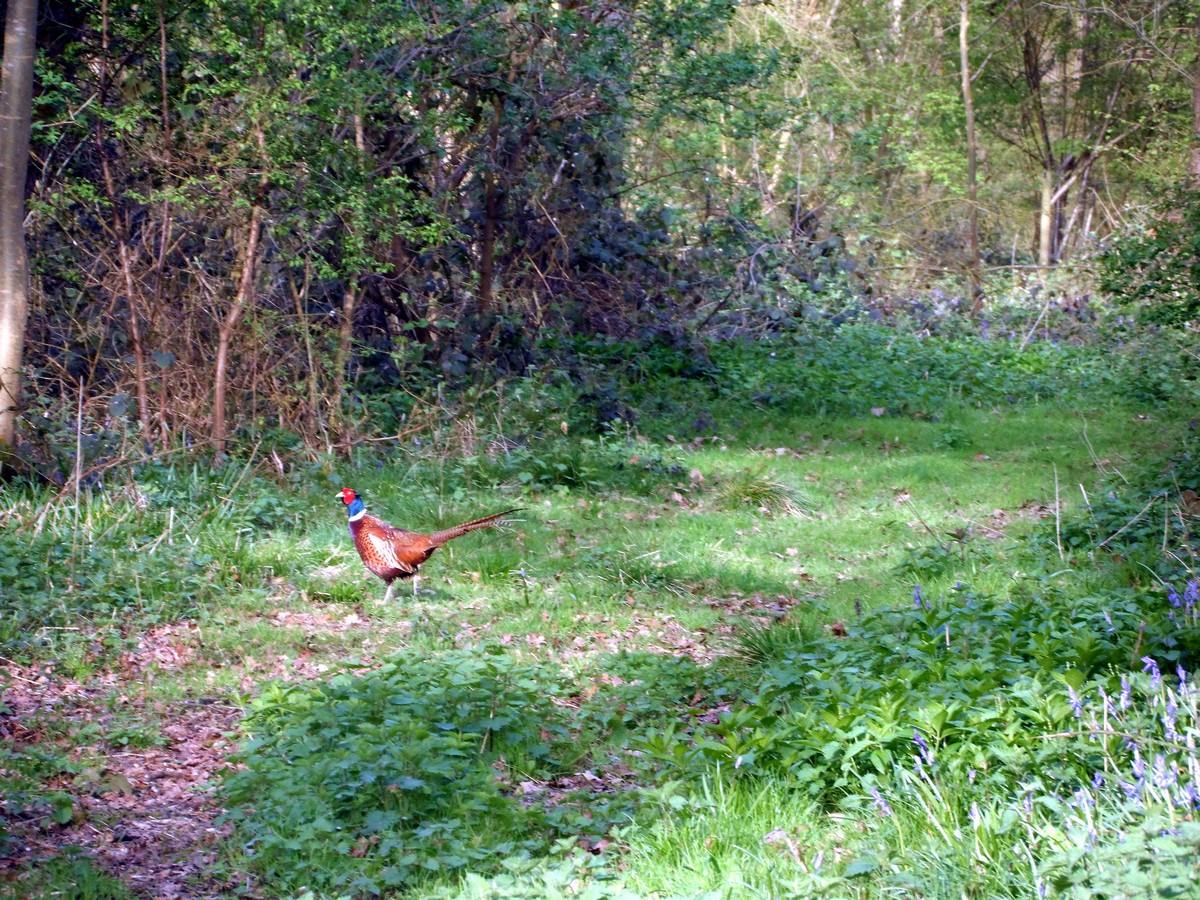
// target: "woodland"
[[836, 362]]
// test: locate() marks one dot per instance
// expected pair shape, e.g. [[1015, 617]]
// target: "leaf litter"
[[140, 770]]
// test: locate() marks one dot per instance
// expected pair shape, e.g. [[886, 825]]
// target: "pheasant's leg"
[[388, 594], [414, 579]]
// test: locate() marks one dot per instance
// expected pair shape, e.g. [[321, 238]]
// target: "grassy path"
[[674, 547]]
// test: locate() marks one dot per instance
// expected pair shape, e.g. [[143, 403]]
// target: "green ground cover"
[[900, 620]]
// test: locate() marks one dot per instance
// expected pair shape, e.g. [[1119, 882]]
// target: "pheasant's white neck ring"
[[358, 515]]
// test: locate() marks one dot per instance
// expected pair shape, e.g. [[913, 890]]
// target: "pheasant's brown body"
[[393, 553]]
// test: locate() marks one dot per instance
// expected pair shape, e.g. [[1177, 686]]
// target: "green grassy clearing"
[[682, 547]]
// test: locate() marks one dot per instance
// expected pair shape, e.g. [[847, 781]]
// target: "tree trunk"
[[229, 325], [972, 161], [1046, 220], [241, 300], [125, 258], [16, 104], [1196, 111], [491, 213], [337, 403]]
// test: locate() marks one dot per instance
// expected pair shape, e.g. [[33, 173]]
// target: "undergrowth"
[[939, 700]]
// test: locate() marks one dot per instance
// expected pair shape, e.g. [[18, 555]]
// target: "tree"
[[1195, 156], [972, 150], [16, 105]]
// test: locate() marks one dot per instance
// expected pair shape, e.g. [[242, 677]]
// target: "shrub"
[[1154, 270]]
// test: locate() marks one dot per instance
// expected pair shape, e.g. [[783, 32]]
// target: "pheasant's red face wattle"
[[346, 496]]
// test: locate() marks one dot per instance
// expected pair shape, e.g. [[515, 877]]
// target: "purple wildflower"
[[1126, 692], [1097, 779], [1164, 777], [926, 753], [917, 597], [1138, 765], [1181, 674], [1190, 795], [1131, 790], [1168, 719], [1149, 665], [976, 818], [1109, 709], [1076, 703], [880, 803], [1028, 803], [1191, 594], [1173, 596]]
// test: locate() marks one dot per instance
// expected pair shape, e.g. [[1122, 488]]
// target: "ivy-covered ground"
[[840, 612]]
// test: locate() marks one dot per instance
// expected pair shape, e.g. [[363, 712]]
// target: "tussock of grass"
[[759, 491]]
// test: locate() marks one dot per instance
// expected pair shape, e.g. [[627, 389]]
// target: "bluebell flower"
[[1164, 776], [1138, 765], [880, 803], [1181, 674], [1190, 795], [1028, 803], [1168, 720], [1109, 709], [976, 818], [1173, 597], [1076, 703], [1191, 594], [926, 753], [1149, 665], [1097, 779], [917, 596], [1131, 790], [1126, 692]]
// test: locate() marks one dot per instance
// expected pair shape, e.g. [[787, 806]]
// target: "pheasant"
[[393, 553]]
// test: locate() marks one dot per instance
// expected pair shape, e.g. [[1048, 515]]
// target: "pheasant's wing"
[[381, 545]]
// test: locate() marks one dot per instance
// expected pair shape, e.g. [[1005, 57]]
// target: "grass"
[[680, 547]]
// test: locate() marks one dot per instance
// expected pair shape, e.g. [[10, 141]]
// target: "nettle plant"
[[373, 779]]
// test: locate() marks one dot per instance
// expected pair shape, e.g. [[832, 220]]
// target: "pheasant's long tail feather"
[[440, 537]]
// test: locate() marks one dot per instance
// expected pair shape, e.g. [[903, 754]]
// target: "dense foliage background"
[[260, 218]]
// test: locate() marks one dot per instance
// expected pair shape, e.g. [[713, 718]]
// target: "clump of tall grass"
[[757, 490]]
